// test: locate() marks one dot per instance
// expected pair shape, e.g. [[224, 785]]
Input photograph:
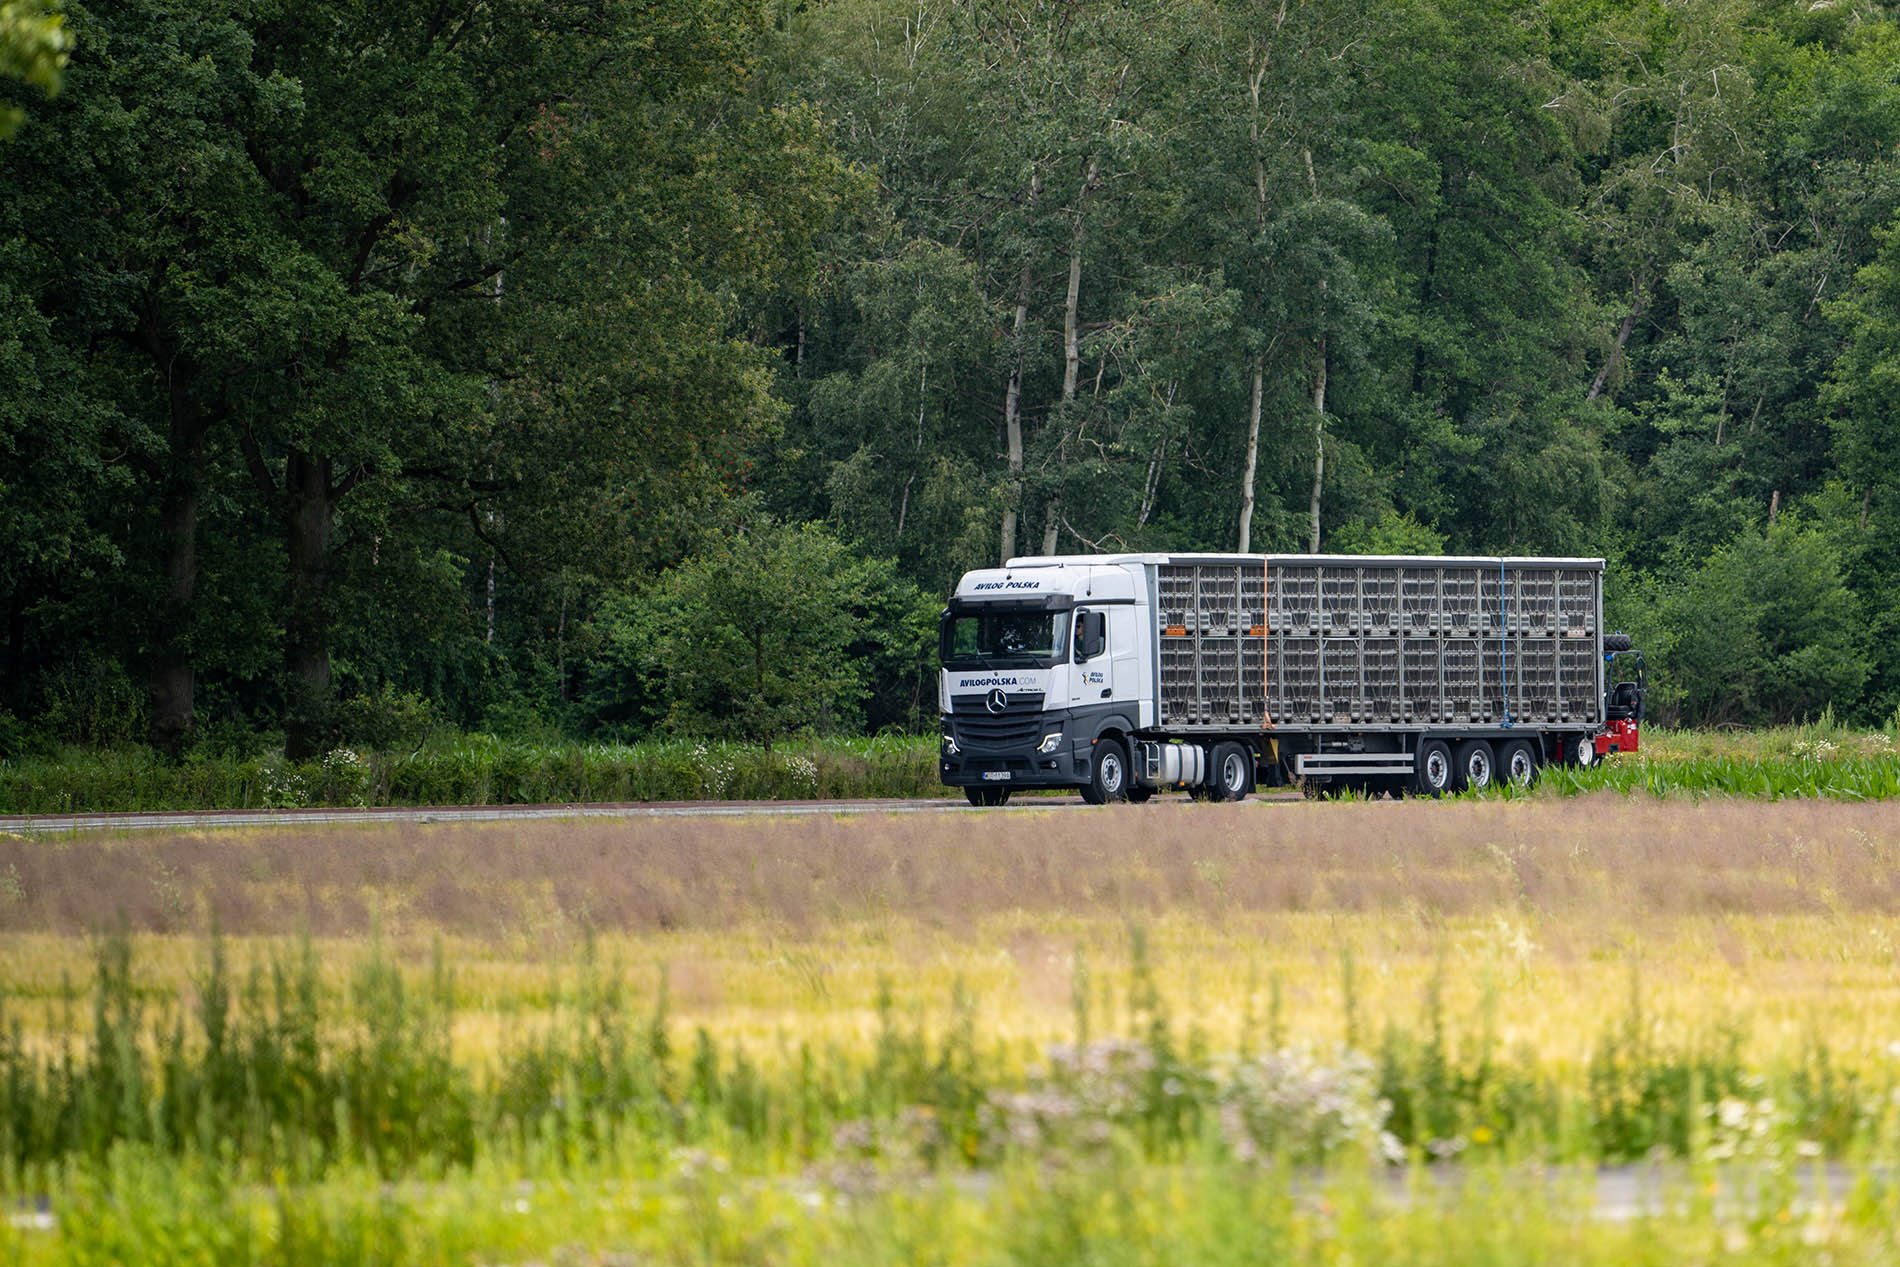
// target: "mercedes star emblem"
[[996, 701]]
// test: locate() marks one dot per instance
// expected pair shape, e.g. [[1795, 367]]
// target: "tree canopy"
[[504, 355]]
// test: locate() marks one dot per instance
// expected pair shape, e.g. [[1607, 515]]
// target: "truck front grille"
[[1019, 725]]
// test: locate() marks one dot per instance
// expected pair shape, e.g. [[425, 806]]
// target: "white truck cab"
[[1041, 658]]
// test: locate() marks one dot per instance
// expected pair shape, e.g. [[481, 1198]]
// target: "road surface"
[[63, 824]]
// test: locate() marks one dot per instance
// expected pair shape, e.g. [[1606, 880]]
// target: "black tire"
[[1517, 764], [1108, 768], [987, 796], [1617, 642], [1580, 751], [1434, 773], [1477, 764], [1230, 773], [1138, 795]]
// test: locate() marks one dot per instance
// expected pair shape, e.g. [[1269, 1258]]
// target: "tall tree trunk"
[[1253, 453], [1071, 338], [1153, 483], [309, 509], [1258, 72], [1071, 346], [917, 447], [173, 679], [1319, 385], [1013, 395], [1623, 330], [16, 644], [1427, 295], [1319, 440]]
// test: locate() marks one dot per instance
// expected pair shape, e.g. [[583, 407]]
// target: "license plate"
[[996, 776]]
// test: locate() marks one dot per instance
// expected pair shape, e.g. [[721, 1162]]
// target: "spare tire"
[[1616, 642]]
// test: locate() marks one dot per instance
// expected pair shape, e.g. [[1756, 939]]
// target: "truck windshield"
[[992, 639]]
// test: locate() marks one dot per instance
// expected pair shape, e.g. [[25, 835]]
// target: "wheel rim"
[[1233, 773], [1437, 769], [1521, 768], [1478, 768], [1586, 752], [1111, 773]]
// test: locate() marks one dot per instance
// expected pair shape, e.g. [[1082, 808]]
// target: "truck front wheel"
[[1109, 766]]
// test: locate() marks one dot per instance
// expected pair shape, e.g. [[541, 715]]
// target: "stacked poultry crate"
[[1292, 640]]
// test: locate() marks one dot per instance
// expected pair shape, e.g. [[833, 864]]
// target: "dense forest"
[[604, 367]]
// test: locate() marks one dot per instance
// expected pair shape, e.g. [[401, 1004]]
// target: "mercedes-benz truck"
[[1121, 675]]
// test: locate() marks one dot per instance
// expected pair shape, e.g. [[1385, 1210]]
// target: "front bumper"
[[1068, 766]]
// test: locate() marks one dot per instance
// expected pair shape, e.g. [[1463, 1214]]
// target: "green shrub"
[[474, 770], [390, 719]]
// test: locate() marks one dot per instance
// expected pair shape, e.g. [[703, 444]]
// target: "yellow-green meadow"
[[960, 1030]]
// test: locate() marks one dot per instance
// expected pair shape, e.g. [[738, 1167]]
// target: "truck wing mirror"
[[1092, 637]]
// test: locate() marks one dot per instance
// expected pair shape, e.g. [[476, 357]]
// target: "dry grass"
[[1532, 917], [1600, 856]]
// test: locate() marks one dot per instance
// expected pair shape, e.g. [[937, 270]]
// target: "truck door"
[[1092, 678]]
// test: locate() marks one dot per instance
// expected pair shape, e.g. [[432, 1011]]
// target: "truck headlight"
[[1050, 741], [950, 745]]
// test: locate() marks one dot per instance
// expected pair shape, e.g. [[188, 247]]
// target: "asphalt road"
[[64, 824]]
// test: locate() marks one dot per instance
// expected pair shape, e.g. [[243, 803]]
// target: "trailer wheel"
[[987, 795], [1109, 765], [1433, 771], [1581, 751], [1231, 775], [1517, 764], [1477, 764]]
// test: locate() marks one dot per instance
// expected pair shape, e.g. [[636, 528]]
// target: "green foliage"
[[1849, 777], [95, 704], [392, 354], [769, 631], [473, 770], [34, 47], [1392, 534], [1765, 631], [389, 719], [278, 1073]]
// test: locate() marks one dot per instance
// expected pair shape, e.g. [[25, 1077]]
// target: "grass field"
[[1045, 1036], [1818, 760]]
